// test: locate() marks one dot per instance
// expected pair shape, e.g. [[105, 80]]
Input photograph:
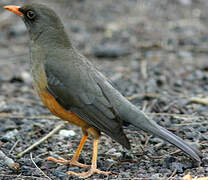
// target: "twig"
[[25, 100], [144, 68], [147, 140], [15, 144], [21, 176], [41, 140], [27, 117], [38, 167], [183, 116], [42, 154], [9, 162], [203, 101], [152, 95], [157, 157], [195, 123], [164, 156], [173, 174]]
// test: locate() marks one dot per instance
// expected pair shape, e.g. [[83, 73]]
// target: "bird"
[[74, 90]]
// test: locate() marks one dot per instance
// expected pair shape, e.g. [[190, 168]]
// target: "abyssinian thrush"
[[75, 91]]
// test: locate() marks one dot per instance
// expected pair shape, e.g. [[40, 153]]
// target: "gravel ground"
[[154, 51]]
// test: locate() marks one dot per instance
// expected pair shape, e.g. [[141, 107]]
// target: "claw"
[[74, 161], [89, 173], [69, 162]]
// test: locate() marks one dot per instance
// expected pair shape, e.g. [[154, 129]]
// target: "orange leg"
[[74, 160], [93, 169]]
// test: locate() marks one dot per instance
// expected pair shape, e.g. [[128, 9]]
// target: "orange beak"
[[14, 9]]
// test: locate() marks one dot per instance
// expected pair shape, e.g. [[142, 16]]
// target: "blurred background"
[[154, 51]]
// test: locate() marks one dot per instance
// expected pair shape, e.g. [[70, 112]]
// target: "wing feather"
[[76, 85]]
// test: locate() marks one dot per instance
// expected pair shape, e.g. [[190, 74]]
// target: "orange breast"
[[51, 103], [40, 84]]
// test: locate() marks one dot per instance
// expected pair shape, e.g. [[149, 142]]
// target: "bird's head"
[[38, 18]]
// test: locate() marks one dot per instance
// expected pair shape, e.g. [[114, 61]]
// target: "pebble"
[[2, 104], [185, 2], [185, 55], [190, 135], [126, 155], [178, 166], [26, 77], [58, 173], [109, 51], [203, 129], [111, 151], [117, 155], [66, 133], [10, 135], [168, 161], [26, 170], [110, 161], [9, 125]]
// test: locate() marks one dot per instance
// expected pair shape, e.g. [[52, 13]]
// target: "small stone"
[[2, 104], [111, 151], [66, 133], [168, 161], [10, 135], [185, 2], [26, 170], [126, 155], [185, 55], [117, 155], [110, 161], [178, 166], [113, 27], [109, 51], [26, 77]]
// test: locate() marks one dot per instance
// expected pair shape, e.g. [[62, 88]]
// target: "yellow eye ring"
[[30, 14]]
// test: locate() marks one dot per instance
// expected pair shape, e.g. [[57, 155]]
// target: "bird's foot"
[[89, 173], [69, 162]]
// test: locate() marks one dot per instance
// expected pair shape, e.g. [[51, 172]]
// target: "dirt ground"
[[154, 51]]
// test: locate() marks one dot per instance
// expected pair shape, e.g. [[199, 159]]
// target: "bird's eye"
[[31, 14]]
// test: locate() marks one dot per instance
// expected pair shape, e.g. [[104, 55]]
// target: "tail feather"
[[130, 114], [144, 123]]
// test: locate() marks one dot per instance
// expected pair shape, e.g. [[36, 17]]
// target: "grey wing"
[[79, 90]]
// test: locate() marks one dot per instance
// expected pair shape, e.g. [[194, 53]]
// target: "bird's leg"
[[74, 160], [93, 169]]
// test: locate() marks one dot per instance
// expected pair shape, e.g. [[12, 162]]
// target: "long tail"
[[139, 120], [130, 113]]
